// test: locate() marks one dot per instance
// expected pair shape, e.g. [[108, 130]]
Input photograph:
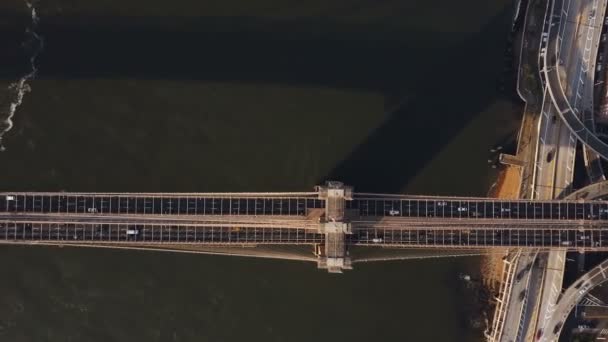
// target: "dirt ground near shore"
[[507, 186]]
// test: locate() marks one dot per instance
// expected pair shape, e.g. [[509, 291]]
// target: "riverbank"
[[507, 186]]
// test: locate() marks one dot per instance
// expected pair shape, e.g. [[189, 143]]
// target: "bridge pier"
[[335, 226]]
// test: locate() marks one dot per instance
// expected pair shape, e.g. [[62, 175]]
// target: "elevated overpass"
[[555, 73], [568, 298]]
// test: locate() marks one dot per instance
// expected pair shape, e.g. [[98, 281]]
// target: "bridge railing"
[[503, 298]]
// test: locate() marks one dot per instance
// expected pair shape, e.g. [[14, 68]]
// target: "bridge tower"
[[334, 255]]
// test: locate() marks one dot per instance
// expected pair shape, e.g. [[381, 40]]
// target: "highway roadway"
[[160, 204], [582, 27], [362, 205], [571, 297], [521, 294], [556, 173], [555, 158], [574, 49], [148, 234], [385, 232]]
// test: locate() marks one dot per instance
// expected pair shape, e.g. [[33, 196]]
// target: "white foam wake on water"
[[22, 87]]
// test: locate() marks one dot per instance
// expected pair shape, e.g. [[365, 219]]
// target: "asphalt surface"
[[388, 231], [558, 73], [521, 294], [159, 204], [571, 297], [397, 206], [117, 233], [575, 50], [553, 176]]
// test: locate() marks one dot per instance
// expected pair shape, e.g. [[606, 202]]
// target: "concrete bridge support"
[[335, 227]]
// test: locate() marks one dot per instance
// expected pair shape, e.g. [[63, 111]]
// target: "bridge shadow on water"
[[452, 87], [447, 81], [433, 83]]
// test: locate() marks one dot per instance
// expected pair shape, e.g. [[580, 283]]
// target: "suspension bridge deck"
[[333, 217]]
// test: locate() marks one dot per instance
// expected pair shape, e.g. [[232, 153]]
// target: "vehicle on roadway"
[[550, 155], [519, 275], [522, 295], [376, 240], [539, 334], [393, 212], [132, 232], [557, 327], [566, 243], [583, 289], [461, 209], [10, 198]]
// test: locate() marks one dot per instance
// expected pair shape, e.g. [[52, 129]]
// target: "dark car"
[[558, 326], [550, 155], [519, 275]]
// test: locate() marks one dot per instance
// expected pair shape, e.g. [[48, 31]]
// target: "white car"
[[393, 212], [376, 240], [461, 209], [10, 198]]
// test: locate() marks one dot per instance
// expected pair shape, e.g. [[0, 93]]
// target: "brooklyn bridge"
[[332, 220]]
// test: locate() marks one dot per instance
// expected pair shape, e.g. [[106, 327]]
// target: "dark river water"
[[235, 95]]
